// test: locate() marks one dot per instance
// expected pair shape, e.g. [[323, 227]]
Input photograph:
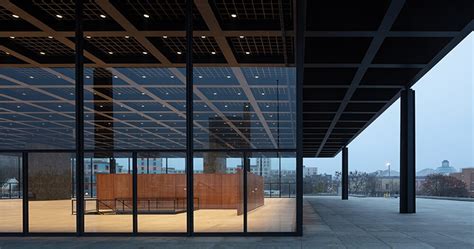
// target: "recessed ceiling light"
[[215, 93], [146, 15], [101, 106], [238, 93], [12, 37], [59, 16], [247, 52], [200, 76], [24, 94], [31, 77], [144, 52], [15, 16], [143, 93], [103, 16], [115, 76], [213, 52], [119, 93], [88, 36], [143, 76], [165, 36], [110, 52], [42, 53], [267, 106], [241, 37], [203, 36], [179, 52], [172, 76], [256, 76], [50, 37], [127, 36], [143, 106], [7, 53], [18, 106], [60, 106], [88, 77], [233, 15], [228, 76], [263, 93], [225, 106]]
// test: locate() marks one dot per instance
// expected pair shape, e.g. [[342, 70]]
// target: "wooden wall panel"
[[213, 191]]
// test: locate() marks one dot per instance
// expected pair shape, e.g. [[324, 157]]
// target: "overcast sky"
[[444, 121]]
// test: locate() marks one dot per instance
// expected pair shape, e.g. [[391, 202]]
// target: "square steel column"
[[407, 151], [345, 173]]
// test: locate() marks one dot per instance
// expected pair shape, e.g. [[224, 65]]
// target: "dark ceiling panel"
[[336, 49], [328, 76], [434, 15], [389, 76], [345, 15], [410, 50]]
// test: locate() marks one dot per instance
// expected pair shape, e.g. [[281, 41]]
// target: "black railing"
[[280, 190], [10, 190]]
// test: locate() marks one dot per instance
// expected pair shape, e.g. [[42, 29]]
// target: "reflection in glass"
[[218, 195], [271, 192], [108, 192], [244, 108], [161, 188], [11, 193], [51, 192]]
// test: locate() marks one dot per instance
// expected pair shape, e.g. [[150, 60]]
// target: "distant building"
[[150, 166], [309, 171], [98, 166], [445, 169], [467, 176]]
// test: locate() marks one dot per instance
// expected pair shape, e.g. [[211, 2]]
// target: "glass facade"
[[108, 139]]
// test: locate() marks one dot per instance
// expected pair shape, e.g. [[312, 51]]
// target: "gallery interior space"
[[192, 117]]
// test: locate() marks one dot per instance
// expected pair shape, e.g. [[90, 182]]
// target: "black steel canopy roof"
[[359, 55]]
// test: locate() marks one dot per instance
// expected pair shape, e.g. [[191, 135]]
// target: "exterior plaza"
[[191, 118]]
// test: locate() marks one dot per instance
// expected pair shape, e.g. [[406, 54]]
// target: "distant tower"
[[445, 169]]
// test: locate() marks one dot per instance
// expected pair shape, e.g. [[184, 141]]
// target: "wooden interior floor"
[[277, 215]]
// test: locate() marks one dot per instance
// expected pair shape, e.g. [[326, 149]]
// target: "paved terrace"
[[329, 223]]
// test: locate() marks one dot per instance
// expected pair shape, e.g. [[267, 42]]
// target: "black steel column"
[[24, 176], [300, 20], [407, 151], [189, 118], [135, 192], [345, 173], [245, 189], [79, 108]]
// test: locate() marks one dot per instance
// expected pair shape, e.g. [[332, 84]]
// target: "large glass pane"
[[135, 88], [161, 188], [108, 192], [37, 75], [51, 192], [218, 192], [11, 193], [271, 192]]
